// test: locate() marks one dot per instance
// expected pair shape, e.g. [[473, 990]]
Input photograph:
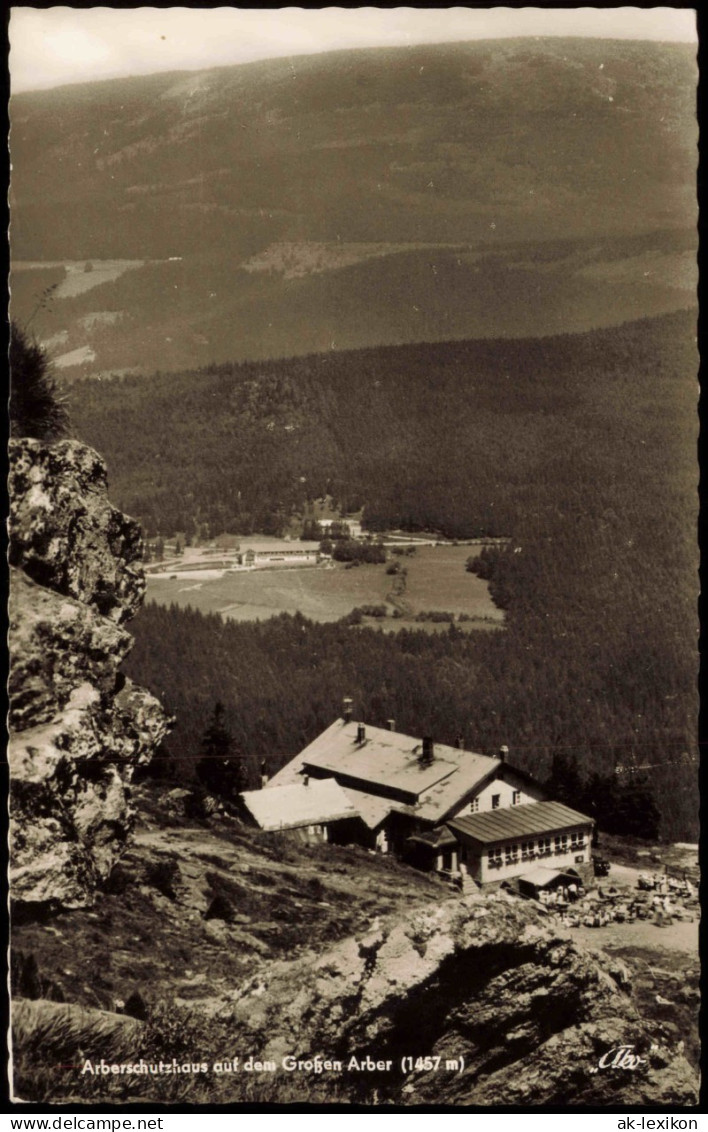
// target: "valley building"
[[439, 807], [353, 526], [273, 551]]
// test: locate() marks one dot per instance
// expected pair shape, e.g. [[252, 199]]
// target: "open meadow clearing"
[[319, 593], [82, 275], [436, 580]]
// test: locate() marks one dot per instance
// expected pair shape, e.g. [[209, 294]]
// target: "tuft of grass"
[[52, 1043], [37, 407]]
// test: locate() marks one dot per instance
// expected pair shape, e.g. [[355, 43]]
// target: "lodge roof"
[[279, 546], [517, 821], [303, 803], [372, 809], [388, 764]]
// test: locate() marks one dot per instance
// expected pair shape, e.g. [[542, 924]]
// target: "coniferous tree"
[[37, 407], [311, 530], [640, 814], [220, 768], [564, 783]]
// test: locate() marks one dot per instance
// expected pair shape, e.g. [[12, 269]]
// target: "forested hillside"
[[580, 448], [474, 437]]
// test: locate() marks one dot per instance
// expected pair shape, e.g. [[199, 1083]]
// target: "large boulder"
[[64, 532], [78, 728], [491, 1004], [56, 642]]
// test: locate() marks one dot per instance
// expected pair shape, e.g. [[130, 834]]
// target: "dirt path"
[[677, 937]]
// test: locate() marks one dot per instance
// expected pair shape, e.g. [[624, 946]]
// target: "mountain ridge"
[[183, 73], [482, 145]]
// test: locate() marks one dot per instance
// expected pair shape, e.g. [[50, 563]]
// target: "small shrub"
[[163, 875], [315, 887], [373, 610], [198, 805], [118, 880], [27, 981]]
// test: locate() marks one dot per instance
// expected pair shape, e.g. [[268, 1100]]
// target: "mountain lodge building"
[[438, 807]]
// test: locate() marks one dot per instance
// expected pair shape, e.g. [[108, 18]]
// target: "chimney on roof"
[[503, 753], [360, 733], [264, 774], [459, 741], [347, 709], [391, 724], [306, 780], [427, 755]]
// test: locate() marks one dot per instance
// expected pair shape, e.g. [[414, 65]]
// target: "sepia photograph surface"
[[353, 493]]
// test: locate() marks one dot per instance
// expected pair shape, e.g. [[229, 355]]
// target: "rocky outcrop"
[[515, 1013], [77, 726], [65, 534]]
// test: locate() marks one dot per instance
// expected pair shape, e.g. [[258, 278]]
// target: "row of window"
[[530, 850], [496, 801]]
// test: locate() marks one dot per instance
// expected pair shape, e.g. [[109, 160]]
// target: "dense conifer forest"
[[467, 438], [581, 449]]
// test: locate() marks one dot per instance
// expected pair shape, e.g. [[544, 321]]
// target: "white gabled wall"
[[506, 789]]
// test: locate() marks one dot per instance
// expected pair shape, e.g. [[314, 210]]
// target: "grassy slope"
[[311, 140], [286, 898]]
